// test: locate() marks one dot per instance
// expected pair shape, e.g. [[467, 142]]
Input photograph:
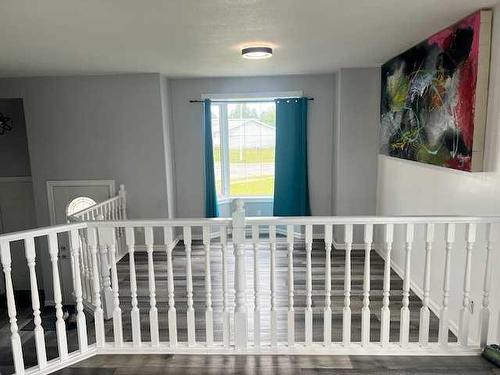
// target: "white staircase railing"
[[114, 208], [243, 324]]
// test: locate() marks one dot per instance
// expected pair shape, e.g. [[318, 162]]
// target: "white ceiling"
[[193, 38]]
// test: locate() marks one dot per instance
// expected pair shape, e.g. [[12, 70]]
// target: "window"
[[244, 137], [78, 204]]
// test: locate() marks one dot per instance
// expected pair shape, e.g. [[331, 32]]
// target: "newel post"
[[123, 202], [103, 235], [240, 313]]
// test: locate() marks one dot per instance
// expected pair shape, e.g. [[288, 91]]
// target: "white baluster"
[[365, 311], [62, 343], [272, 278], [107, 237], [308, 311], [404, 327], [86, 268], [346, 313], [463, 327], [15, 339], [385, 312], [153, 310], [327, 314], [443, 313], [484, 317], [172, 314], [240, 311], [82, 268], [98, 312], [256, 285], [107, 291], [77, 286], [423, 337], [189, 288], [226, 322], [209, 319], [29, 245], [135, 316], [290, 233]]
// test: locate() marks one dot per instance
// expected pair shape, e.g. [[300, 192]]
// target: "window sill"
[[225, 200]]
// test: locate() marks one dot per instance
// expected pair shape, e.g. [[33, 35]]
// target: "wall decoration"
[[5, 124], [434, 96]]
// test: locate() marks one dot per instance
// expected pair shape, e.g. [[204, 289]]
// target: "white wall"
[[409, 188], [188, 142], [356, 145]]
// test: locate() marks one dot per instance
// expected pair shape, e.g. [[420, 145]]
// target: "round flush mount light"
[[256, 53]]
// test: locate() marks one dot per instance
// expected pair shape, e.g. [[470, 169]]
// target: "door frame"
[[69, 183]]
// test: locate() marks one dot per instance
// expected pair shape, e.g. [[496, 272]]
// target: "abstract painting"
[[433, 97]]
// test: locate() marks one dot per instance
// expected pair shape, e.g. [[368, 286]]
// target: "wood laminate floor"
[[198, 261], [277, 365]]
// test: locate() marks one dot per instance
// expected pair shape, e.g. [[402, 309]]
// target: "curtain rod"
[[243, 100]]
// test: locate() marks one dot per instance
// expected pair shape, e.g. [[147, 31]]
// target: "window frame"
[[224, 136]]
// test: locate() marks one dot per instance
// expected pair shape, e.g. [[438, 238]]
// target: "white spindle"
[[423, 337], [327, 314], [484, 317], [98, 312], [404, 327], [83, 272], [172, 314], [385, 312], [240, 311], [135, 317], [308, 311], [256, 285], [62, 343], [209, 319], [15, 339], [346, 313], [365, 311], [226, 314], [153, 310], [77, 286], [189, 287], [290, 233], [443, 313], [108, 238], [463, 327], [272, 277], [107, 291], [29, 245], [90, 271]]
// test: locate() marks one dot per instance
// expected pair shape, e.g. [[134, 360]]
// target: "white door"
[[60, 195]]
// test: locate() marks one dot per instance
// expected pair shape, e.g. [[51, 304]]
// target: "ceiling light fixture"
[[256, 53]]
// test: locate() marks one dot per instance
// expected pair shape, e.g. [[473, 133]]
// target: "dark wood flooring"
[[277, 365], [318, 273]]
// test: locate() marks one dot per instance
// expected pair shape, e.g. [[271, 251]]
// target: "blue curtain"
[[291, 186], [211, 206]]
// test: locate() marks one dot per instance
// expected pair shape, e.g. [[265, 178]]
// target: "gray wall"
[[14, 156], [96, 127], [356, 144], [187, 133]]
